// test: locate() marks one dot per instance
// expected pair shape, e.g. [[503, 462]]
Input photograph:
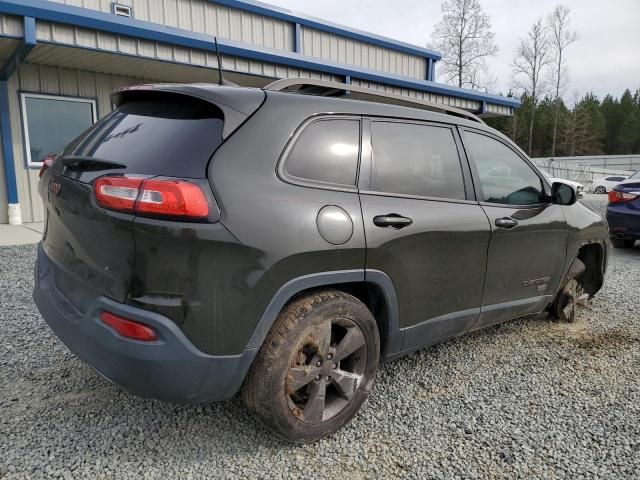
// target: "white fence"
[[588, 168]]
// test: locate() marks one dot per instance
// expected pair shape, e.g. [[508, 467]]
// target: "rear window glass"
[[169, 135], [326, 151], [412, 159]]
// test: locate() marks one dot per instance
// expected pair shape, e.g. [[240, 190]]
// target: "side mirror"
[[563, 194]]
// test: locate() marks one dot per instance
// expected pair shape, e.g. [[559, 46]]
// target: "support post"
[[297, 38], [12, 64]]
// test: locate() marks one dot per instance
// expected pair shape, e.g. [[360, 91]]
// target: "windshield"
[[635, 175]]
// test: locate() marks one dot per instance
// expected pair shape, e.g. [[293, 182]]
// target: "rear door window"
[[160, 134], [326, 151], [415, 159]]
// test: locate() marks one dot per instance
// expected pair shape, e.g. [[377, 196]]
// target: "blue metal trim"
[[7, 145], [17, 57], [325, 26], [22, 50], [297, 38], [81, 17], [431, 70]]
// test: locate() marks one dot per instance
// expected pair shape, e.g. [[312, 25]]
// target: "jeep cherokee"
[[202, 240]]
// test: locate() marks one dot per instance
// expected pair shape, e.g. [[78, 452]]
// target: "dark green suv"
[[203, 240]]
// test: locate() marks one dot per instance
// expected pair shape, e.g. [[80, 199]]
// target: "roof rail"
[[312, 86]]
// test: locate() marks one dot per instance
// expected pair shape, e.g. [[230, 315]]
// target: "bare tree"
[[561, 38], [533, 55], [465, 39]]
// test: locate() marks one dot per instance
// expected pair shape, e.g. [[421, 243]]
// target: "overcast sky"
[[605, 59]]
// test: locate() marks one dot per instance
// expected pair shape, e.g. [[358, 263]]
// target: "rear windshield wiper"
[[77, 162]]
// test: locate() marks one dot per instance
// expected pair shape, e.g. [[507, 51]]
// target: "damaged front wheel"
[[572, 294]]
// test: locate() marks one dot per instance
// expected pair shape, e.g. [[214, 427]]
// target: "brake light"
[[46, 163], [129, 328], [171, 198], [618, 197]]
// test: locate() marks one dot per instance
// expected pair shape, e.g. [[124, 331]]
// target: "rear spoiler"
[[237, 103]]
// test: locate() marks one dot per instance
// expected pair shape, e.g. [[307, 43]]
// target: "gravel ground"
[[529, 398]]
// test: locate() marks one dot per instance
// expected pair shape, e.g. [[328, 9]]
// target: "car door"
[[423, 227], [529, 234]]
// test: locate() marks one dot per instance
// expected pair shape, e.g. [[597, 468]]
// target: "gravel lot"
[[530, 398]]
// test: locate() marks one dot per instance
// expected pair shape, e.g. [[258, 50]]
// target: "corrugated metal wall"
[[205, 17], [74, 36], [53, 81], [499, 109], [11, 26], [360, 54]]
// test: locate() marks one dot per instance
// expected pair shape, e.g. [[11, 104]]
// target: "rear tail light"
[[618, 197], [170, 198], [174, 198], [117, 193], [46, 163], [129, 328]]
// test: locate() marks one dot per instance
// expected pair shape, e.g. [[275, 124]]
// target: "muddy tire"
[[315, 368], [571, 293]]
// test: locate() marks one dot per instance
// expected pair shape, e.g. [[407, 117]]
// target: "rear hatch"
[[153, 133]]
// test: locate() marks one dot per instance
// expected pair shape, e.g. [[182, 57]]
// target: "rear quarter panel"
[[275, 220]]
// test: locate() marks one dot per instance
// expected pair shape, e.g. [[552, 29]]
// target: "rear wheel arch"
[[373, 288]]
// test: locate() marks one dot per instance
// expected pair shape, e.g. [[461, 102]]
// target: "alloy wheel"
[[326, 371]]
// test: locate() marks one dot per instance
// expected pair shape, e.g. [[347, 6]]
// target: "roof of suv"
[[237, 103]]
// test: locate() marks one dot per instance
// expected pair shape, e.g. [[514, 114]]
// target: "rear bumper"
[[169, 369], [623, 222]]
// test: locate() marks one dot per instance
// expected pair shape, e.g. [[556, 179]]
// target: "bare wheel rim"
[[326, 370]]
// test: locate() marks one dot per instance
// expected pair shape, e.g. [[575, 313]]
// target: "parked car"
[[604, 185], [201, 240], [623, 212], [577, 186]]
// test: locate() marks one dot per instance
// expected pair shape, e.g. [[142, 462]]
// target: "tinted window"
[[170, 135], [504, 176], [415, 159], [614, 179], [326, 151]]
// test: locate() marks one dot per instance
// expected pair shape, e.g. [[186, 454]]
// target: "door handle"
[[506, 222], [392, 220]]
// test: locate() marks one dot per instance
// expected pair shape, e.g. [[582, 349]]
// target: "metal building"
[[60, 60]]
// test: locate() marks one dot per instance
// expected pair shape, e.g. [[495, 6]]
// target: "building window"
[[51, 122]]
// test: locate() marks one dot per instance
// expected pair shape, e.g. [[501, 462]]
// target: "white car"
[[578, 187], [603, 185]]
